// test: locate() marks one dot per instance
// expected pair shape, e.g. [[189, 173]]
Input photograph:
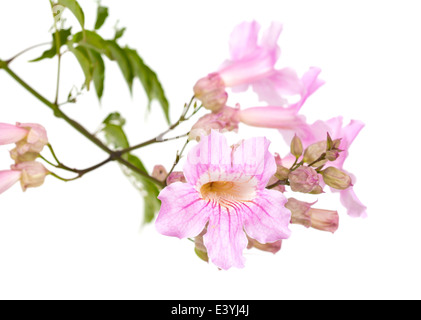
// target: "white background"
[[82, 240]]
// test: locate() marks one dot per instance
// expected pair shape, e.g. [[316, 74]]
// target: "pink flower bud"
[[324, 220], [336, 178], [303, 179], [159, 172], [176, 176], [302, 213], [211, 91], [224, 120], [32, 174]]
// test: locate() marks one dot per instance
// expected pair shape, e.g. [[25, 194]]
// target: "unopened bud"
[[324, 220], [159, 172], [317, 190], [282, 173], [336, 178], [302, 213], [332, 155], [313, 152], [296, 147], [303, 179], [211, 91]]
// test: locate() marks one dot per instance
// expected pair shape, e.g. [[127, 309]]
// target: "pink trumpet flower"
[[29, 137], [225, 190], [252, 63], [31, 174]]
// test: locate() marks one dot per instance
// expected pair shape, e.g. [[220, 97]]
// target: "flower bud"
[[313, 152], [302, 213], [199, 246], [224, 120], [176, 176], [32, 174], [332, 155], [303, 179], [159, 172], [299, 211], [282, 173], [336, 178], [324, 220], [296, 147], [211, 91]]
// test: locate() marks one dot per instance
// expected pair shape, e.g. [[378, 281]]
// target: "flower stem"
[[115, 155]]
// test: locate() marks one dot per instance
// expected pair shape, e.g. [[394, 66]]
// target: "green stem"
[[278, 183], [115, 155]]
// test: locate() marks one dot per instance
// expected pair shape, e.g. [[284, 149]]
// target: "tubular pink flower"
[[225, 189], [252, 63], [29, 137], [11, 134], [8, 178], [32, 174]]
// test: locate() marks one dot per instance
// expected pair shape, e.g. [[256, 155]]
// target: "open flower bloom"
[[252, 63], [31, 174], [316, 132], [29, 138], [225, 190]]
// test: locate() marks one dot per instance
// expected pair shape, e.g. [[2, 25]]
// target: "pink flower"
[[29, 137], [317, 132], [225, 189], [31, 174], [226, 119], [252, 63]]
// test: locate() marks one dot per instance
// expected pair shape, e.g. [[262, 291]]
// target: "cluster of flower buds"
[[30, 139]]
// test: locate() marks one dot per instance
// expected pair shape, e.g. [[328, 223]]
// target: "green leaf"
[[75, 8], [51, 53], [101, 16], [82, 57], [149, 81], [115, 136], [92, 40], [120, 55], [98, 71], [119, 33]]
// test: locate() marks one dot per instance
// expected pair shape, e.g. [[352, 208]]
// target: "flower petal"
[[243, 40], [8, 178], [183, 212], [273, 88], [253, 159], [266, 219], [225, 239], [208, 160], [351, 202], [11, 134]]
